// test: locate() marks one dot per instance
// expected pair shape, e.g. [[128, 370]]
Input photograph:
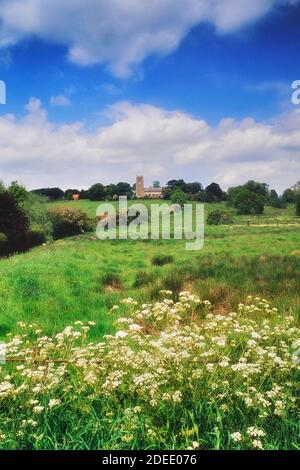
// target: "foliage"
[[162, 260], [213, 193], [259, 192], [18, 192], [67, 221], [276, 201], [179, 197], [97, 192], [246, 202], [124, 189], [14, 222], [52, 194], [220, 217], [174, 375], [36, 211]]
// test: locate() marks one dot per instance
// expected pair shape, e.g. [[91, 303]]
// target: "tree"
[[2, 187], [176, 184], [213, 193], [156, 184], [84, 194], [275, 200], [124, 189], [13, 220], [18, 192], [52, 194], [198, 197], [111, 191], [262, 189], [247, 202], [97, 192], [296, 187], [193, 188], [179, 197]]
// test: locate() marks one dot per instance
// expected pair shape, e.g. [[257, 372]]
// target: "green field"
[[82, 278]]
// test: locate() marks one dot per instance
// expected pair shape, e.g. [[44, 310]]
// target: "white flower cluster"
[[168, 355]]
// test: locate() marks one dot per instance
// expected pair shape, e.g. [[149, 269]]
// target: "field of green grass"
[[271, 214], [82, 278]]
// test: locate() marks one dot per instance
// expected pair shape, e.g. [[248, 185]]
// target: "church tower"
[[140, 189]]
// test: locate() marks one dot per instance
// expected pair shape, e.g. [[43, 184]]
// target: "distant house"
[[142, 192], [75, 197]]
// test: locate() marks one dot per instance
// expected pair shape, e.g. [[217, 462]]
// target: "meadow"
[[83, 279]]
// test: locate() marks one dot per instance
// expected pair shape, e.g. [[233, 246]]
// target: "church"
[[149, 193]]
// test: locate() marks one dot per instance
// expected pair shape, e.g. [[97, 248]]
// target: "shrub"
[[162, 260], [174, 375], [18, 192], [34, 238], [179, 197], [14, 222], [143, 278], [112, 281], [67, 221], [39, 218], [219, 217]]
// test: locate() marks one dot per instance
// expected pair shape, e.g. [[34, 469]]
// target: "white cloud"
[[122, 33], [60, 100], [148, 140]]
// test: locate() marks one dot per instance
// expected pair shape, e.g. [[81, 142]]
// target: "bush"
[[34, 238], [162, 260], [219, 217], [112, 281], [38, 216], [14, 222], [67, 221], [179, 197], [18, 192]]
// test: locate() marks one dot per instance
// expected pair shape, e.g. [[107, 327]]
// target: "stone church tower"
[[140, 191]]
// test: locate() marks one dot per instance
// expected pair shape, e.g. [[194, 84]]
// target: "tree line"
[[249, 198]]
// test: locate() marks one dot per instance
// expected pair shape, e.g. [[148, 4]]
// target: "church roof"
[[153, 190]]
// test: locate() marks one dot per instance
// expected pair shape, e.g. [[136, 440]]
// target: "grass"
[[64, 281], [81, 278], [175, 376]]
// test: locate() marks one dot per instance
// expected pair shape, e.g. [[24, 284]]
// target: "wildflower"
[[38, 409], [121, 334], [257, 444], [177, 397], [236, 436], [53, 402]]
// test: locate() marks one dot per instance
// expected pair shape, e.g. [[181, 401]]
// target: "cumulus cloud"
[[122, 33], [155, 142], [60, 100]]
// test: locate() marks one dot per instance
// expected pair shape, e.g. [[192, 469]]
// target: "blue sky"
[[168, 95]]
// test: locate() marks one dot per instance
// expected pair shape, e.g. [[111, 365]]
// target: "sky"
[[100, 91]]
